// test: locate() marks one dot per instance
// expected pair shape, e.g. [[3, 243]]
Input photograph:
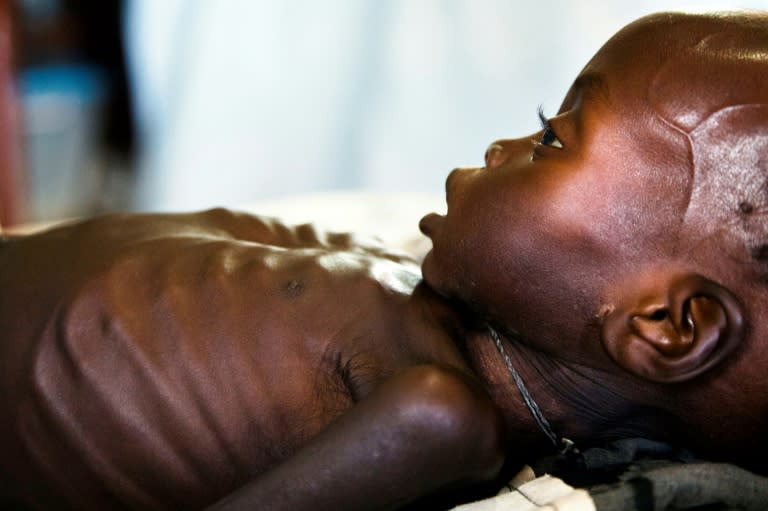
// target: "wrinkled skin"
[[173, 361]]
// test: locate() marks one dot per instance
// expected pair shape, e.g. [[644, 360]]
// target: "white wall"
[[246, 99]]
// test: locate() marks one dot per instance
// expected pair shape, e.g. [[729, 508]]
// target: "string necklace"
[[564, 445]]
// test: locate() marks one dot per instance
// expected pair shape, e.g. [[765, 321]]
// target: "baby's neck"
[[580, 403]]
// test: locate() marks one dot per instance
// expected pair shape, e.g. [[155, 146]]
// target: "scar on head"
[[604, 310]]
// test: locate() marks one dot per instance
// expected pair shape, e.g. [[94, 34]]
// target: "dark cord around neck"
[[564, 445]]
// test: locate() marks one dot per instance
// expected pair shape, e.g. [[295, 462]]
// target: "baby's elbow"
[[457, 419]]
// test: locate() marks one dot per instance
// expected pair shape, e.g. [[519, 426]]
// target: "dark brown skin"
[[173, 361], [164, 361], [639, 244]]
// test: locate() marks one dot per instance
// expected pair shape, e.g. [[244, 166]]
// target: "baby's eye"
[[548, 137]]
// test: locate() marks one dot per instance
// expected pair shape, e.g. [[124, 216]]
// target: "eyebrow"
[[590, 85], [586, 86]]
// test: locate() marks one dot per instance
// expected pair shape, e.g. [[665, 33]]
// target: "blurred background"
[[185, 104]]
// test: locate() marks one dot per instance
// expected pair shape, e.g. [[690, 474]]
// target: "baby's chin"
[[430, 274]]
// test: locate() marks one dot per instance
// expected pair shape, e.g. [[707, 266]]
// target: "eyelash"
[[548, 137]]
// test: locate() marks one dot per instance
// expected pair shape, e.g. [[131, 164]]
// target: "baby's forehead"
[[704, 78], [723, 67], [713, 88], [685, 67]]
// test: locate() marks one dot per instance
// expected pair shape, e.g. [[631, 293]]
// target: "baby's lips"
[[430, 223]]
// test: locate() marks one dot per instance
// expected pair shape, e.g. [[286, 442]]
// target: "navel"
[[293, 288]]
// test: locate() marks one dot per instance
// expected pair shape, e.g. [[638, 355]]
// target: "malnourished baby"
[[603, 278]]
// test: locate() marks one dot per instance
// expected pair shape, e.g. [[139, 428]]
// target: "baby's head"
[[631, 234]]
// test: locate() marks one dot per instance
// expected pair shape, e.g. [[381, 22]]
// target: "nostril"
[[494, 155]]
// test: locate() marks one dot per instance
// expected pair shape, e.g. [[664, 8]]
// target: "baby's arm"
[[423, 431]]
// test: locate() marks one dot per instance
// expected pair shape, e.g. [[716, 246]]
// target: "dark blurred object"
[[84, 32], [75, 105]]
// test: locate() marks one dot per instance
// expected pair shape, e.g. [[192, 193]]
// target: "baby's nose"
[[495, 155]]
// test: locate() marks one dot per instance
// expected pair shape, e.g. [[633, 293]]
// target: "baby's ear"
[[674, 329]]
